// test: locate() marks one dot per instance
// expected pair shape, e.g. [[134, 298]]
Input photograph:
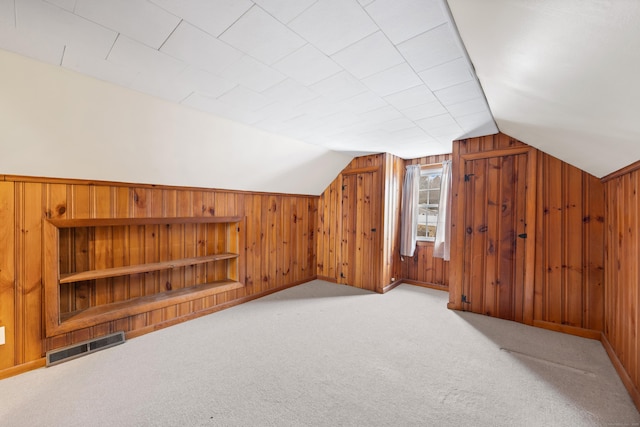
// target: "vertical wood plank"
[[8, 274]]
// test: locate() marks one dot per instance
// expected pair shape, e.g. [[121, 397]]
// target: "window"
[[428, 200]]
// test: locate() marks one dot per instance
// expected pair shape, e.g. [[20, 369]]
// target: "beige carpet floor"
[[321, 354]]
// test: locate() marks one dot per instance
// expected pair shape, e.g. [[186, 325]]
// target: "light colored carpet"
[[322, 354]]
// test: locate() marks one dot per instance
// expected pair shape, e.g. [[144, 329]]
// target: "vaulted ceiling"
[[357, 76], [365, 76]]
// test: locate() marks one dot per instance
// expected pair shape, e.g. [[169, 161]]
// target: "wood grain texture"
[[25, 204], [622, 278], [346, 218], [567, 246]]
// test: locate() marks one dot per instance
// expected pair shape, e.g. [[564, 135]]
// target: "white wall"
[[57, 123]]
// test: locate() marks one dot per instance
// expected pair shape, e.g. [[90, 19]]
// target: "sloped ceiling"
[[561, 75], [354, 76]]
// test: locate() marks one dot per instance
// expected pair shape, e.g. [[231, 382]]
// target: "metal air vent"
[[80, 349]]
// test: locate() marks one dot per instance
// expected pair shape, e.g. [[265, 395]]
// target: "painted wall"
[[60, 124]]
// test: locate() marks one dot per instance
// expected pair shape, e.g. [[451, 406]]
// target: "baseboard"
[[622, 373], [391, 285], [426, 285], [327, 279], [21, 369], [571, 330], [210, 310]]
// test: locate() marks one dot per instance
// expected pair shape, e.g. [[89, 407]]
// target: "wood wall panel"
[[278, 238], [622, 279], [330, 228], [422, 269], [568, 280]]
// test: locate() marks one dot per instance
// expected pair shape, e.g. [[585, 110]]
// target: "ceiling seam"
[[169, 36]]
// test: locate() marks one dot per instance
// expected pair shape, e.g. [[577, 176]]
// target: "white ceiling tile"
[[252, 74], [339, 86], [137, 19], [279, 112], [365, 2], [203, 82], [364, 102], [304, 121], [430, 109], [397, 124], [416, 95], [143, 59], [33, 45], [340, 121], [459, 93], [319, 107], [383, 114], [476, 120], [307, 65], [242, 97], [476, 105], [436, 121], [447, 132], [211, 16], [438, 42], [60, 25], [7, 13], [285, 10], [332, 25], [290, 92], [447, 74], [368, 56], [198, 48], [262, 36], [69, 5], [392, 80], [99, 68], [403, 19], [412, 133]]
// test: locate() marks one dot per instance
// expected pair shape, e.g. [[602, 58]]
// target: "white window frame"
[[428, 170]]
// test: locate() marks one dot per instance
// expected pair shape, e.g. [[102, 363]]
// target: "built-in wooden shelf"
[[117, 310], [224, 263], [141, 268]]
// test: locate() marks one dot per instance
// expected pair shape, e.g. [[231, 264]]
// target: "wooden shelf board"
[[109, 222], [117, 310], [141, 268]]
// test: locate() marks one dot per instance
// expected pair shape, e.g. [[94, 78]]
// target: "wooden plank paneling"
[[567, 247], [622, 279], [8, 275], [273, 260]]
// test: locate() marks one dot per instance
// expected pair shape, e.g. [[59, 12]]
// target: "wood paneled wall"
[[622, 278], [280, 251], [332, 235], [569, 259], [423, 268]]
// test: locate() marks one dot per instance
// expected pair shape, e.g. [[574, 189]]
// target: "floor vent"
[[67, 353]]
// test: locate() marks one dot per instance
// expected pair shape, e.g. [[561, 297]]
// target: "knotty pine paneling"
[[278, 251], [422, 269], [331, 235], [622, 278], [568, 290]]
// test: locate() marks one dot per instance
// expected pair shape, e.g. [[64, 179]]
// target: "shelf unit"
[[225, 259]]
